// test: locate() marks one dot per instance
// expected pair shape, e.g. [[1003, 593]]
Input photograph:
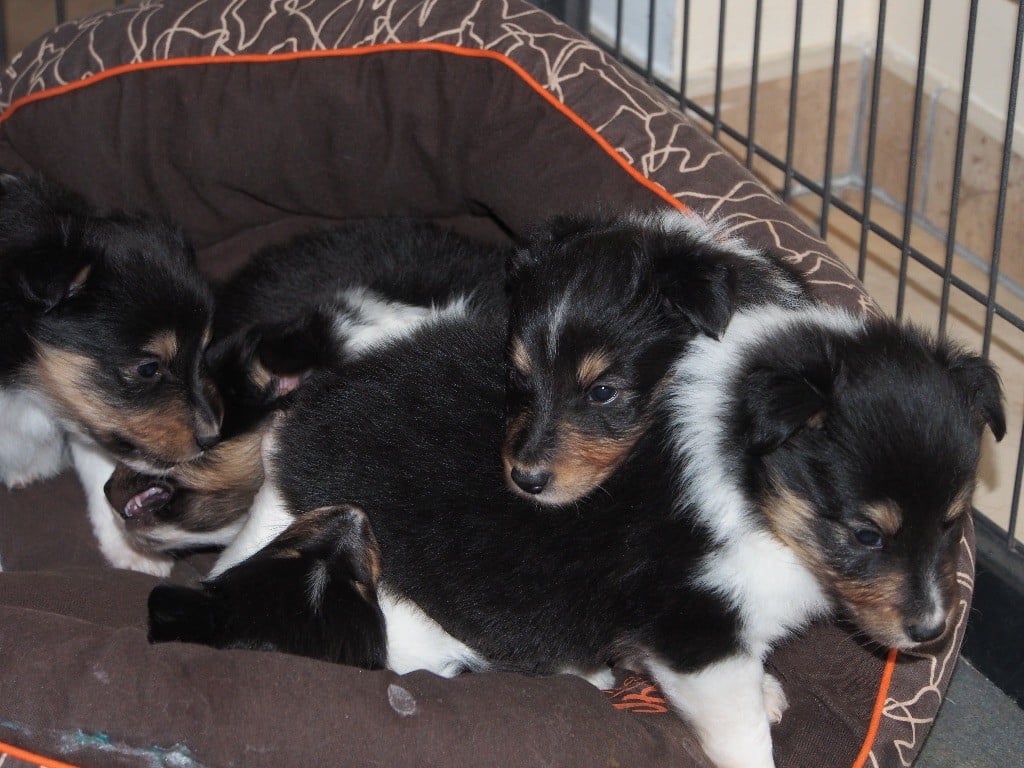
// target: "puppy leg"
[[33, 446], [602, 678], [94, 466], [267, 518], [775, 701], [725, 703]]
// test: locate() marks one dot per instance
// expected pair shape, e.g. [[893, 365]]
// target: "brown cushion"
[[251, 124]]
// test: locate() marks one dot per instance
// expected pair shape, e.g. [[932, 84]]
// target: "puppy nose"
[[207, 440], [922, 632], [531, 482]]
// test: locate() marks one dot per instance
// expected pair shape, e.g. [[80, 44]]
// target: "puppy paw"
[[133, 560], [775, 701], [602, 678], [29, 469]]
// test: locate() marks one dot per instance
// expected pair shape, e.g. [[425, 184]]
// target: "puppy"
[[805, 461], [105, 320], [328, 563], [590, 349], [313, 303]]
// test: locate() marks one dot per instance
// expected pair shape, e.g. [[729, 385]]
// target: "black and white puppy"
[[104, 323], [315, 302], [804, 461]]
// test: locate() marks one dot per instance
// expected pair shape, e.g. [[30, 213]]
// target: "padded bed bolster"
[[249, 120]]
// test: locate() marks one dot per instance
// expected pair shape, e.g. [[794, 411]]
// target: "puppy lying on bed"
[[103, 320], [312, 303]]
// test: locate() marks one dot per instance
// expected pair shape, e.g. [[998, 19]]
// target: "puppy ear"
[[700, 289], [292, 349], [555, 230], [777, 404], [979, 382], [353, 540], [181, 614]]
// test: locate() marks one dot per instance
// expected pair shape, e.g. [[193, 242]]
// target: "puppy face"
[[115, 318], [865, 452], [194, 504], [204, 502], [597, 318]]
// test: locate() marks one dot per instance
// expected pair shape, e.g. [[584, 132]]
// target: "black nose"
[[207, 441], [923, 632], [531, 482]]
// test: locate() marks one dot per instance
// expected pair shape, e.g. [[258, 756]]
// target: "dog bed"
[[251, 120]]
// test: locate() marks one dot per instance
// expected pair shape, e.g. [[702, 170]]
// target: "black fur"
[[312, 592], [533, 590]]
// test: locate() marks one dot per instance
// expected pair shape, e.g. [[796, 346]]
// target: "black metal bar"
[[575, 13], [869, 161], [716, 124], [915, 134], [618, 28], [650, 39], [3, 33], [754, 67], [58, 9], [794, 89], [830, 140], [1004, 182], [958, 168], [684, 55], [1011, 527], [818, 189]]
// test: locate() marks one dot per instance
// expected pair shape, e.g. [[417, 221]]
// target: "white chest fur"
[[32, 442]]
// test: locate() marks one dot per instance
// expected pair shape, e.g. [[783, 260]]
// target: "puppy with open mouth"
[[104, 327]]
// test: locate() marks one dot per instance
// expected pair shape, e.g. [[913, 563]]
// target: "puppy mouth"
[[139, 458], [135, 497]]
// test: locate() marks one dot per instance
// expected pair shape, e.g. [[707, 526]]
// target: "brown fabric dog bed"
[[248, 121]]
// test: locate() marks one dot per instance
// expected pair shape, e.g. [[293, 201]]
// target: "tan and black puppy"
[[104, 320]]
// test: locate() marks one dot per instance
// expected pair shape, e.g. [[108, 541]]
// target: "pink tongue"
[[138, 503], [289, 383]]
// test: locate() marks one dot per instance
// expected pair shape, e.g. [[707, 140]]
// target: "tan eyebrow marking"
[[591, 367], [163, 345], [961, 504], [886, 515], [518, 355]]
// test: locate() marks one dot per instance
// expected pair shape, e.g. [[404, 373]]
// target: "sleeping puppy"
[[805, 461], [327, 562], [105, 320], [313, 303]]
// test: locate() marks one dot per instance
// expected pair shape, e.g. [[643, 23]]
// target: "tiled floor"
[[977, 727]]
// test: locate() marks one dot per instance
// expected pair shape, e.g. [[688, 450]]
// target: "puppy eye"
[[601, 394], [869, 538], [148, 370]]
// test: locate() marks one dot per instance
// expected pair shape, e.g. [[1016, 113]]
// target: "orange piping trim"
[[876, 715], [33, 758], [263, 58]]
